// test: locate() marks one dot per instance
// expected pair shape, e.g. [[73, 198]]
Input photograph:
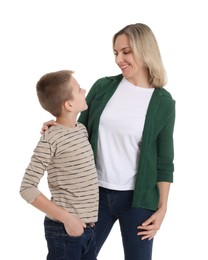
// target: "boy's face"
[[78, 96]]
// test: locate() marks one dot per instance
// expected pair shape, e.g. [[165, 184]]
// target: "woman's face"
[[125, 59]]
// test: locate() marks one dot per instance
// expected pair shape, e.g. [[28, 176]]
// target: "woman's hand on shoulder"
[[46, 125]]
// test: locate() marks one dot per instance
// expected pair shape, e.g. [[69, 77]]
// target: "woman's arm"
[[150, 227], [165, 168]]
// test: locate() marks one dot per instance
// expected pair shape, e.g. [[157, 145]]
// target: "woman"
[[130, 121]]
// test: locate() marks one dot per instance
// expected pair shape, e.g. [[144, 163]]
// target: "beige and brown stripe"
[[66, 155]]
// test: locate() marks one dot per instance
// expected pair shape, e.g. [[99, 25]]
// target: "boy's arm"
[[29, 190], [73, 224]]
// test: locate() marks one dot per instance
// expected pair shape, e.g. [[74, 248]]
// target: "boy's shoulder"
[[50, 133], [59, 132]]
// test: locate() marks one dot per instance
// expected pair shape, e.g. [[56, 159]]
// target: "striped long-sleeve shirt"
[[66, 155]]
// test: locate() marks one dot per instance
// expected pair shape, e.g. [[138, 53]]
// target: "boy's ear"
[[68, 106]]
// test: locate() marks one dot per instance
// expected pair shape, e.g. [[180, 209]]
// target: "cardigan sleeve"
[[165, 149]]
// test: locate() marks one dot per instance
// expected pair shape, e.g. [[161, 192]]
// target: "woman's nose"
[[119, 58]]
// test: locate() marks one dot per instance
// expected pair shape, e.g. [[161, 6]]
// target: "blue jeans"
[[116, 205], [61, 246]]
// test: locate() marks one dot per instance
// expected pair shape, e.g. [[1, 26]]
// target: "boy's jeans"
[[61, 246], [116, 205]]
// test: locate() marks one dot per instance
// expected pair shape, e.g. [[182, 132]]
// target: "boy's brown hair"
[[53, 90]]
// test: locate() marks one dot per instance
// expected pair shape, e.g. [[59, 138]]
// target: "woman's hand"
[[149, 228], [46, 125]]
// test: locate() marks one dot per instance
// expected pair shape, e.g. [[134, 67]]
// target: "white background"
[[42, 36]]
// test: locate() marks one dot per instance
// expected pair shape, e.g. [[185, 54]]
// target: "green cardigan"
[[156, 154]]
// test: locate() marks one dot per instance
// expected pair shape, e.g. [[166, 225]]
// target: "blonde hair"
[[146, 50], [53, 90]]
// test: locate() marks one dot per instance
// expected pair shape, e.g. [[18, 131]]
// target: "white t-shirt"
[[120, 133]]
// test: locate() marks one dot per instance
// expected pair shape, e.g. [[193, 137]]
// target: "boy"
[[65, 153]]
